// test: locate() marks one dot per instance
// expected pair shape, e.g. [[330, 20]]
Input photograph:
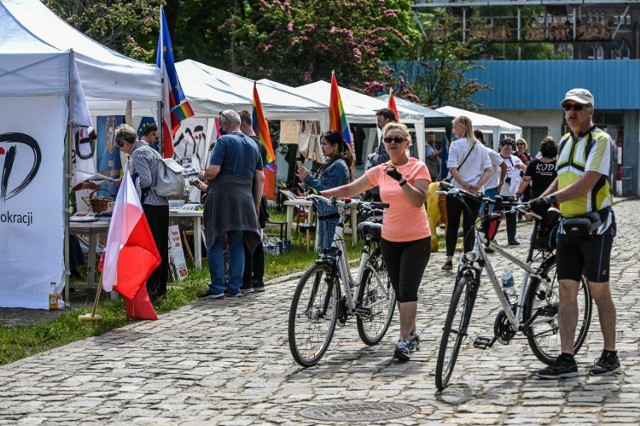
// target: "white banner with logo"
[[32, 138]]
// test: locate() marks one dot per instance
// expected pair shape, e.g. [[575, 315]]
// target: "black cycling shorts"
[[590, 255], [406, 262]]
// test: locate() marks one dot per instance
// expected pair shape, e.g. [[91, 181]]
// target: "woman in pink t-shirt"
[[406, 237]]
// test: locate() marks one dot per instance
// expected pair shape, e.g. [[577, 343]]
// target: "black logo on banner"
[[19, 142]]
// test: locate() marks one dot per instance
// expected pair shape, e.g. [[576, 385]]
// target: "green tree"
[[296, 41], [439, 79], [130, 27]]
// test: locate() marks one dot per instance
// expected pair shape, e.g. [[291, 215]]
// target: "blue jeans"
[[215, 258], [326, 229]]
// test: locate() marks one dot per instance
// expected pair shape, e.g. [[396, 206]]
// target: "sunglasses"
[[396, 139], [221, 115], [519, 144], [575, 107]]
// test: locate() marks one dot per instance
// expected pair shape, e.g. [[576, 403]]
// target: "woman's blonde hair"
[[524, 141], [466, 124], [398, 126]]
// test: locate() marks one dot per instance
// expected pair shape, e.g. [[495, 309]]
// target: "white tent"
[[108, 78], [485, 123], [362, 109], [46, 70], [211, 90]]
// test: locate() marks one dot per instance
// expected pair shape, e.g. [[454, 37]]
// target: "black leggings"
[[406, 262], [454, 208]]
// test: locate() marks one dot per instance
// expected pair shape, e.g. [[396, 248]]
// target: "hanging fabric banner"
[[32, 140]]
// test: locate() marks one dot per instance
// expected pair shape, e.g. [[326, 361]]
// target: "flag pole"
[[92, 316]]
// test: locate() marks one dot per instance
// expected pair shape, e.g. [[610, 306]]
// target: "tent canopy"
[[211, 90], [108, 78], [432, 118], [361, 108], [485, 123]]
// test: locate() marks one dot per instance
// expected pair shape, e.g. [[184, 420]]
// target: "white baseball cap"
[[581, 96]]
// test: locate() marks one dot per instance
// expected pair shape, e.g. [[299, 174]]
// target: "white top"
[[496, 161], [509, 189], [475, 164]]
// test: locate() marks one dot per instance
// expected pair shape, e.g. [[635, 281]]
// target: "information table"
[[93, 230]]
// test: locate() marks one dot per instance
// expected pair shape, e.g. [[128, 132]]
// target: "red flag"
[[131, 253], [140, 307], [392, 105]]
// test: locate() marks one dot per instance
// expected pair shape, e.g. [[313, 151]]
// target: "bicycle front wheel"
[[455, 328], [541, 303], [313, 314], [376, 303]]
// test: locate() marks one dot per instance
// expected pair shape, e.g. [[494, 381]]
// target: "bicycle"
[[328, 293], [535, 312]]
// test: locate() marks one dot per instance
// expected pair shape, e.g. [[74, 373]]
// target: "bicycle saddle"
[[369, 228]]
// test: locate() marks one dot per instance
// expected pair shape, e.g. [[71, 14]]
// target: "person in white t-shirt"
[[493, 185], [469, 169], [515, 171]]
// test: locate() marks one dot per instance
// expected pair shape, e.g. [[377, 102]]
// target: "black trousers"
[[253, 266], [454, 208], [158, 218]]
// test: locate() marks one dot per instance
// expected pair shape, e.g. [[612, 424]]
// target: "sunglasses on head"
[[575, 107], [396, 139], [221, 115]]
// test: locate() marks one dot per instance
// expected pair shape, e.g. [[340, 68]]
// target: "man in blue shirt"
[[236, 180]]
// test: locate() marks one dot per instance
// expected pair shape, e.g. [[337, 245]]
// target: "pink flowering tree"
[[297, 41]]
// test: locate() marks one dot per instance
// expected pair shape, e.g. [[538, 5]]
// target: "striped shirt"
[[144, 167]]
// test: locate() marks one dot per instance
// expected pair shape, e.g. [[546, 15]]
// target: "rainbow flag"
[[181, 112], [261, 128], [392, 105], [174, 106], [337, 117]]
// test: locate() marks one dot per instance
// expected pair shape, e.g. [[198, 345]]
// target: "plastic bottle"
[[53, 297], [507, 285]]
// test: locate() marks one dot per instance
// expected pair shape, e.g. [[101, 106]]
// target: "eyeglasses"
[[120, 143], [575, 107], [519, 144], [396, 139]]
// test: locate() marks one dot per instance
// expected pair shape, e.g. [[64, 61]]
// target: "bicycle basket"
[[547, 234]]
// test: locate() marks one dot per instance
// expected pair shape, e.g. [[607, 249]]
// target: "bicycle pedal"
[[483, 342]]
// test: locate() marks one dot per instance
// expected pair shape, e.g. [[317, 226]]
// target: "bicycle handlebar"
[[349, 203], [459, 193]]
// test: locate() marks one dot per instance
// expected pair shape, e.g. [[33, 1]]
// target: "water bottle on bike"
[[507, 285]]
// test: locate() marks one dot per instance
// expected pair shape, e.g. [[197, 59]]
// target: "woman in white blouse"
[[469, 168]]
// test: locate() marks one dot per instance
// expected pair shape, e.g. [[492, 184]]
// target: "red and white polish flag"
[[131, 254]]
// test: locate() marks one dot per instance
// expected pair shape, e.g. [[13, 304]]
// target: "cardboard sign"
[[177, 262]]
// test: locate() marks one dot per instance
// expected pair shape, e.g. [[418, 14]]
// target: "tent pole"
[[66, 190]]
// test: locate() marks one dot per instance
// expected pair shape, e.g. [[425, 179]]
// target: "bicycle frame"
[[527, 266], [350, 286]]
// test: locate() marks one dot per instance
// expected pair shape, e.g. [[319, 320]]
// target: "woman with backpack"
[[145, 165]]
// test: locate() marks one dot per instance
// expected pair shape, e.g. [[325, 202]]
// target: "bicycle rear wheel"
[[455, 327], [542, 301], [376, 302], [313, 314]]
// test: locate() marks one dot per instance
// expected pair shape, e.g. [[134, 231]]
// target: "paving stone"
[[228, 362]]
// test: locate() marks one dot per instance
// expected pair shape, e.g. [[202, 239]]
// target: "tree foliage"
[[129, 27], [297, 41]]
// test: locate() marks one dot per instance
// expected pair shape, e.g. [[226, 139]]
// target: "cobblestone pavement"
[[228, 362]]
